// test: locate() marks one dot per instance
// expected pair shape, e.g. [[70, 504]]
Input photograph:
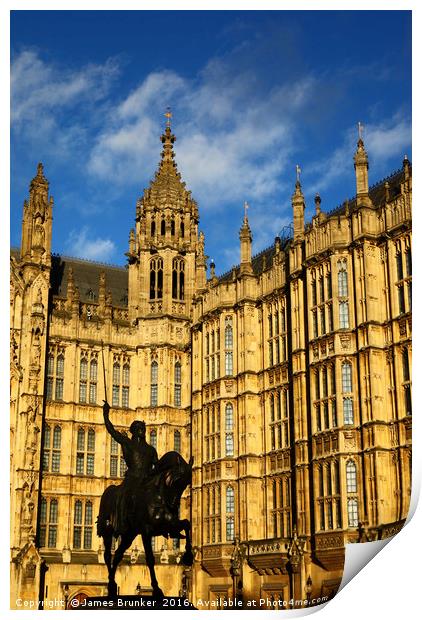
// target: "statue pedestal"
[[131, 602]]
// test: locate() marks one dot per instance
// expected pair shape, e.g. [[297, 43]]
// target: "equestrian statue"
[[146, 503]]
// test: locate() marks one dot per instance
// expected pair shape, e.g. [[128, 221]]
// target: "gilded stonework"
[[287, 379]]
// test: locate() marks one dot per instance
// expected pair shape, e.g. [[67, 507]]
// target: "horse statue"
[[146, 503]]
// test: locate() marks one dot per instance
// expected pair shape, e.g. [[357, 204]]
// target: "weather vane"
[[360, 130], [246, 207], [298, 173], [168, 116]]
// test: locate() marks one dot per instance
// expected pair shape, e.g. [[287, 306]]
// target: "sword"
[[105, 383]]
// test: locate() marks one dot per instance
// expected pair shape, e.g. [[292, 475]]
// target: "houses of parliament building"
[[288, 379]]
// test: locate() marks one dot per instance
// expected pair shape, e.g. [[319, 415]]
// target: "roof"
[[86, 275]]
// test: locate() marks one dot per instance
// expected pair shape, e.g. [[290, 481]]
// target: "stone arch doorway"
[[77, 600]]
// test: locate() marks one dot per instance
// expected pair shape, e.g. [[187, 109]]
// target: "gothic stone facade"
[[287, 379]]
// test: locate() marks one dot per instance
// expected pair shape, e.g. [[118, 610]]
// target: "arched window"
[[154, 384], [228, 336], [229, 444], [342, 278], [348, 417], [85, 452], [80, 454], [178, 279], [182, 229], [93, 371], [177, 441], [77, 525], [172, 227], [48, 523], [344, 314], [163, 227], [229, 513], [90, 452], [229, 417], [83, 377], [351, 480], [177, 384], [346, 377], [116, 384], [82, 525], [59, 377], [156, 278], [352, 512], [228, 345], [153, 438], [152, 228], [125, 385], [55, 456], [88, 525]]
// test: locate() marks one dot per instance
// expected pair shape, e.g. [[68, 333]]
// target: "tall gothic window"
[[82, 525], [55, 375], [172, 227], [49, 512], [153, 438], [343, 292], [178, 279], [351, 479], [88, 371], [228, 344], [177, 384], [344, 314], [116, 384], [407, 385], [154, 384], [52, 449], [118, 465], [152, 228], [342, 278], [177, 441], [156, 278], [121, 383], [229, 513], [352, 512], [163, 227], [85, 452], [346, 376]]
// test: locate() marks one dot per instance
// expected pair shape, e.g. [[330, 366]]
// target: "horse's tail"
[[107, 505]]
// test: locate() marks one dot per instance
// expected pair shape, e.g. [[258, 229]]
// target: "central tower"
[[166, 262], [166, 268]]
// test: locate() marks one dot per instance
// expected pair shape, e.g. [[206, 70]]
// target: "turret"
[[298, 204], [245, 237], [361, 171], [37, 222]]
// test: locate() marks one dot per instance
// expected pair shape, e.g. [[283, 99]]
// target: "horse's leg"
[[125, 541], [187, 557], [150, 560], [108, 541]]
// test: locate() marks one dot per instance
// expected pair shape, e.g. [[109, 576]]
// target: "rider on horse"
[[141, 459]]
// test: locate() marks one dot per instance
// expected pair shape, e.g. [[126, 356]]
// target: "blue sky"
[[253, 93]]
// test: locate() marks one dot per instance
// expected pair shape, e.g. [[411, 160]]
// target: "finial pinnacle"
[[360, 131], [298, 173], [168, 116], [246, 207]]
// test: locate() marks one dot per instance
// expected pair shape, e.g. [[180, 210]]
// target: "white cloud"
[[234, 142], [40, 89], [383, 141], [80, 245]]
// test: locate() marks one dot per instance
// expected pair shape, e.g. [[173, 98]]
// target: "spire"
[[298, 204], [37, 220], [245, 237], [317, 204], [361, 169]]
